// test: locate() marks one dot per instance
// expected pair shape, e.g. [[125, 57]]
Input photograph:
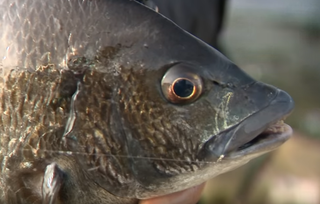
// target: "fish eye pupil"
[[183, 88]]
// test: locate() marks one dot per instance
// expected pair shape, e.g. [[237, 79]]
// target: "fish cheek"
[[165, 139]]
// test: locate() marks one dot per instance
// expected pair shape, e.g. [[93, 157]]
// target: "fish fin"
[[52, 182]]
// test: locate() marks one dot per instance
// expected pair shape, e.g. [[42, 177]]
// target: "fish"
[[108, 101]]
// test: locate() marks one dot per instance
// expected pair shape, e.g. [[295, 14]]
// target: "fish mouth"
[[259, 133], [269, 139]]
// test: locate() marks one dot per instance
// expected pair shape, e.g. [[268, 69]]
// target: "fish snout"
[[260, 110]]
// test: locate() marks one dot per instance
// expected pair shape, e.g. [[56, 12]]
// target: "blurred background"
[[277, 42]]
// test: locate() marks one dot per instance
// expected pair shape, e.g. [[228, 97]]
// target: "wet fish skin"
[[83, 115]]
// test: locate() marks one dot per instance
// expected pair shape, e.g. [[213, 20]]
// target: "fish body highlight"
[[110, 102]]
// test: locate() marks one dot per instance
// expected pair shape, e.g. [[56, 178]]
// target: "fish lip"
[[265, 143], [232, 142]]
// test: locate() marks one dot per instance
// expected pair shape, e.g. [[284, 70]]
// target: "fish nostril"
[[216, 83], [223, 84]]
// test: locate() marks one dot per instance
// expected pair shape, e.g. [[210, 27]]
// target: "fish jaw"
[[261, 132]]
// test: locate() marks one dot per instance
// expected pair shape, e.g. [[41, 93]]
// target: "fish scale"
[[45, 139]]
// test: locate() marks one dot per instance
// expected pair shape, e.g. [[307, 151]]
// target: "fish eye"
[[181, 84]]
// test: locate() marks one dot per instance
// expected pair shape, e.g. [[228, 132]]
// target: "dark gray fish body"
[[109, 102], [202, 18]]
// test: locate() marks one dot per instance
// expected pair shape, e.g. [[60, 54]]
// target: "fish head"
[[190, 114], [154, 110], [192, 119]]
